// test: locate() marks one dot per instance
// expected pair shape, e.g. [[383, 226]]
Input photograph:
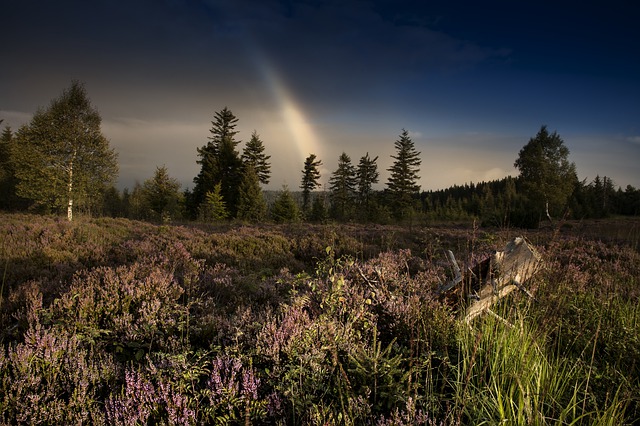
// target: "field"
[[112, 321]]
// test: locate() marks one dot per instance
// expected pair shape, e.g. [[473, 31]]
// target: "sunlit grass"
[[508, 375]]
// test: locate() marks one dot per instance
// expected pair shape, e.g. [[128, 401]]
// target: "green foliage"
[[9, 200], [213, 207], [285, 209], [220, 163], [251, 204], [367, 175], [161, 195], [310, 180], [253, 155], [403, 180], [548, 178], [319, 211], [342, 185], [61, 157]]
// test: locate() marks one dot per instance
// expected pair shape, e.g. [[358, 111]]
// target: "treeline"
[[504, 202], [61, 161]]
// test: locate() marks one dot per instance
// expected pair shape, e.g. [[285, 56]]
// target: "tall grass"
[[507, 374]]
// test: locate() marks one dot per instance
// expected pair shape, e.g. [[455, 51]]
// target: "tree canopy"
[[310, 179], [253, 155], [403, 180], [251, 204], [162, 196], [342, 185], [220, 163], [284, 208], [548, 178], [61, 156]]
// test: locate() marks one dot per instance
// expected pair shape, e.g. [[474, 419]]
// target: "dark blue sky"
[[472, 81]]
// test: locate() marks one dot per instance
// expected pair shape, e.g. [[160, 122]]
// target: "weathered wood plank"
[[509, 269]]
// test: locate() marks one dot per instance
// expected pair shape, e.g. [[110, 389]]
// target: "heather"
[[112, 321]]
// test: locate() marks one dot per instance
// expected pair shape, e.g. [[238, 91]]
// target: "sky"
[[471, 81]]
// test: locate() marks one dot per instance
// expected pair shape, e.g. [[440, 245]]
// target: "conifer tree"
[[342, 185], [285, 209], [213, 208], [367, 175], [61, 157], [253, 154], [162, 196], [8, 198], [251, 204], [310, 180], [319, 211], [220, 163], [403, 182]]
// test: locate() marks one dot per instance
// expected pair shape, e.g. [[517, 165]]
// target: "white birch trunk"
[[70, 188]]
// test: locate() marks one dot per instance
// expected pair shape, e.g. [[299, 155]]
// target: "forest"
[[61, 161], [225, 304]]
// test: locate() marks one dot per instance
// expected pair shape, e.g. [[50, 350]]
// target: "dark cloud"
[[355, 72]]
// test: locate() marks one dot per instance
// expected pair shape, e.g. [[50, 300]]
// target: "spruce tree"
[[319, 211], [162, 196], [367, 175], [403, 182], [251, 204], [220, 163], [213, 208], [253, 154], [310, 180], [285, 209], [9, 200], [342, 185]]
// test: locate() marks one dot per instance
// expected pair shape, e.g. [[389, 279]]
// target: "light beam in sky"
[[298, 125]]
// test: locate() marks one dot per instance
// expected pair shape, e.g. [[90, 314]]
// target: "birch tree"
[[61, 157], [547, 176]]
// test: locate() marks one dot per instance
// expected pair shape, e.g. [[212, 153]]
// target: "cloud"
[[15, 119], [634, 139]]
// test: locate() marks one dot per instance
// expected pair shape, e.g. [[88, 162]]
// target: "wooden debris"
[[494, 278]]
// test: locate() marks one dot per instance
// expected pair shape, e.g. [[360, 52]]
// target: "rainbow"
[[300, 129]]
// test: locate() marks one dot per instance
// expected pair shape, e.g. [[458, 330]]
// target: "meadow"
[[119, 322]]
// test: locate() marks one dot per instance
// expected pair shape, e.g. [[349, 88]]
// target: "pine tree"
[[213, 208], [342, 185], [319, 211], [310, 180], [253, 154], [367, 175], [285, 209], [8, 198], [162, 196], [220, 163], [251, 204], [61, 156], [403, 181]]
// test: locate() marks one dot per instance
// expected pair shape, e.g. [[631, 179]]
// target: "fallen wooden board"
[[496, 277]]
